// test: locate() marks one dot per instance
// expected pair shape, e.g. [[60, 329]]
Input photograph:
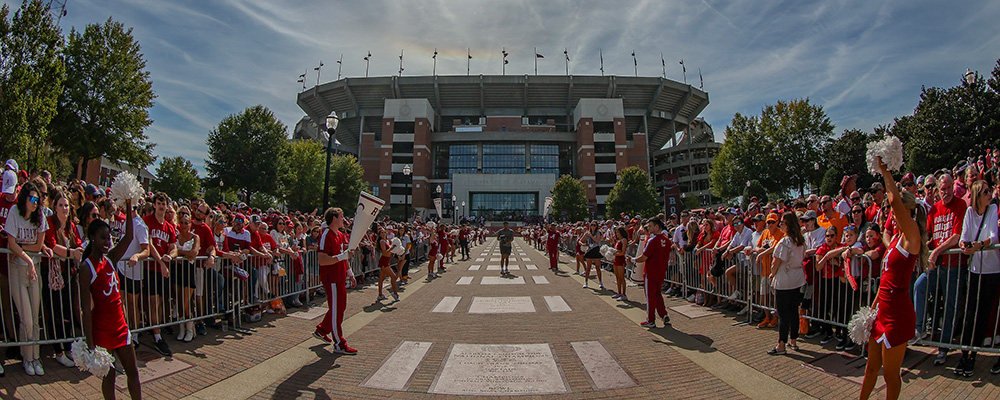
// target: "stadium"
[[496, 144]]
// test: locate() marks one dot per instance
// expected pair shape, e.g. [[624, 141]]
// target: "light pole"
[[331, 129], [453, 198], [406, 172], [463, 209]]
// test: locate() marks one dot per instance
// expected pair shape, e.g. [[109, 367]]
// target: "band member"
[[334, 274], [655, 255]]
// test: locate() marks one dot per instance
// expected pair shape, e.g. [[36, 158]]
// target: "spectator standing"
[[25, 229], [979, 231], [787, 279]]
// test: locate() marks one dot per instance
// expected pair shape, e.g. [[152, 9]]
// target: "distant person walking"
[[506, 237]]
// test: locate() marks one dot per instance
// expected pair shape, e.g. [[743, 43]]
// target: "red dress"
[[109, 326], [619, 260], [896, 316]]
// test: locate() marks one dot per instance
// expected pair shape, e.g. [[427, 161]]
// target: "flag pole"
[[566, 53], [435, 57], [401, 62], [664, 63], [340, 65], [468, 63], [536, 61], [602, 62]]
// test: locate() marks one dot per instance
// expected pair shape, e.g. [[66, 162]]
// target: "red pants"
[[654, 299], [336, 300], [553, 257]]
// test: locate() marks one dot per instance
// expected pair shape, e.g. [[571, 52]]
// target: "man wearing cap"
[[92, 193], [848, 189], [163, 240], [874, 210], [829, 216], [656, 255]]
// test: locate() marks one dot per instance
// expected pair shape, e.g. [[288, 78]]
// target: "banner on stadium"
[[368, 208], [548, 207], [437, 206]]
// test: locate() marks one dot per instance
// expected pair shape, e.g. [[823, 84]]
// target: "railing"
[[193, 292]]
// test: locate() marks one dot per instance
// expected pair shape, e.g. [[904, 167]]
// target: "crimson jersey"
[[432, 250], [657, 254], [236, 241], [109, 326], [161, 235], [552, 239], [333, 243], [205, 237]]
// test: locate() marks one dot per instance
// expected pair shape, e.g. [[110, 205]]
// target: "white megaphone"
[[368, 208]]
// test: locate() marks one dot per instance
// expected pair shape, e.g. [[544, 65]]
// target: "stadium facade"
[[499, 143]]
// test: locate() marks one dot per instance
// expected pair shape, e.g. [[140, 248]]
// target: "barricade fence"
[[156, 294], [957, 308]]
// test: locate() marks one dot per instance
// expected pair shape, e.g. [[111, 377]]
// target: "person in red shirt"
[[705, 251], [656, 255], [333, 255], [463, 241], [384, 267], [62, 239], [432, 255], [831, 286], [104, 319], [208, 282], [618, 264], [163, 238], [552, 246]]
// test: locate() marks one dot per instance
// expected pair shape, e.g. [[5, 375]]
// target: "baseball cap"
[[255, 218], [909, 176], [240, 216], [772, 217], [91, 190], [9, 182], [877, 186], [810, 214], [848, 178], [11, 165], [22, 174], [758, 217]]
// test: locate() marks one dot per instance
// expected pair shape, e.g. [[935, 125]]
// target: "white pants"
[[27, 297]]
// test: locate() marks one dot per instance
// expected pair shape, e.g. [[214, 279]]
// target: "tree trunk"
[[83, 169]]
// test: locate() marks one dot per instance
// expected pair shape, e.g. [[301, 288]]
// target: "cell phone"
[[967, 244]]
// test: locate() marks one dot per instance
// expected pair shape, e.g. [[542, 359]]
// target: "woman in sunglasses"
[[25, 229]]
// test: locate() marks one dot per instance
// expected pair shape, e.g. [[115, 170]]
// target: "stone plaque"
[[505, 369], [501, 305], [556, 304], [465, 280], [480, 259], [309, 314], [540, 280], [525, 259], [502, 280], [474, 267], [447, 304], [152, 367], [531, 267], [395, 372], [497, 267], [495, 259], [604, 371]]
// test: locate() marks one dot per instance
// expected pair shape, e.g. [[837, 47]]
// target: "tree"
[[846, 155], [778, 148], [104, 110], [949, 125], [31, 77], [830, 185], [246, 149], [301, 175], [633, 194], [346, 182], [569, 199], [177, 177]]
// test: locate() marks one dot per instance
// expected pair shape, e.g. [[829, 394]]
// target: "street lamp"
[[970, 77], [463, 209], [406, 172], [440, 193], [453, 198], [331, 128]]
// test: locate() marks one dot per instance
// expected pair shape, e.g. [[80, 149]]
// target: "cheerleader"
[[895, 313], [432, 255], [103, 316], [384, 265], [621, 238]]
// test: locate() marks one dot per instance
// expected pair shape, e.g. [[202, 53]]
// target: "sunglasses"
[[826, 201], [908, 184], [855, 199], [184, 213], [95, 215], [812, 200], [33, 199], [239, 220], [772, 222], [930, 186], [857, 211]]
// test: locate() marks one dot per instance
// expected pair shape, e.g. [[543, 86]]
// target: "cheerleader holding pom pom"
[[104, 319]]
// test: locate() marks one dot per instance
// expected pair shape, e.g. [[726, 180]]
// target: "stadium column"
[[369, 158], [385, 163], [637, 154], [621, 145], [421, 164], [585, 155]]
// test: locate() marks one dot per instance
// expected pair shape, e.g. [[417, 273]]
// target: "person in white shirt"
[[787, 279], [979, 231]]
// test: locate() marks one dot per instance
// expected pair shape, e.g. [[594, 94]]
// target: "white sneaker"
[[744, 311], [614, 297], [600, 285], [734, 296], [691, 298], [65, 361], [37, 364], [28, 368], [585, 285], [181, 329], [189, 336]]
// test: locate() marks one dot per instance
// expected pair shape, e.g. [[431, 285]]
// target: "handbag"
[[719, 267]]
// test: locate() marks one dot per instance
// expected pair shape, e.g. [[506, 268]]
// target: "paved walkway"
[[701, 357]]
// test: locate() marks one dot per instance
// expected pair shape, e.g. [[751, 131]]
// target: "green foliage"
[[263, 201], [778, 148], [301, 175], [31, 77], [104, 109], [846, 156], [346, 182], [831, 182], [691, 203], [245, 150], [213, 195], [633, 194], [949, 124], [755, 189], [177, 177], [568, 196]]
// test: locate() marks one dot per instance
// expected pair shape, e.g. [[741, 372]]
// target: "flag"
[[634, 61], [539, 55], [368, 56], [320, 66], [566, 52], [435, 56], [662, 61], [506, 62], [702, 80]]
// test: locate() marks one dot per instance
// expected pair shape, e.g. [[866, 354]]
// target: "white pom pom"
[[860, 327], [97, 362], [891, 151], [397, 247], [608, 252], [126, 187]]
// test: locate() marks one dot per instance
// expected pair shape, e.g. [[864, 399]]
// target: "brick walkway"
[[705, 357]]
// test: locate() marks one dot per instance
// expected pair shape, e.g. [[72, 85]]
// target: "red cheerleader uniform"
[[619, 260], [432, 250], [896, 316], [109, 326], [383, 260]]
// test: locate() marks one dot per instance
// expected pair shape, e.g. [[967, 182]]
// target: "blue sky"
[[864, 61]]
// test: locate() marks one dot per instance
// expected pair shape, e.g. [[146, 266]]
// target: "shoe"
[[322, 336], [200, 328], [576, 273], [161, 346], [763, 324], [776, 352], [615, 297], [917, 337], [666, 321], [841, 344], [995, 370], [734, 296], [941, 358], [584, 285], [803, 326], [773, 323], [960, 368], [970, 366], [813, 334], [381, 297], [850, 345], [600, 285], [65, 361], [344, 349], [37, 364], [647, 324], [28, 368], [827, 339], [406, 277], [395, 296], [189, 336], [744, 310], [295, 303], [623, 298], [212, 324], [181, 332]]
